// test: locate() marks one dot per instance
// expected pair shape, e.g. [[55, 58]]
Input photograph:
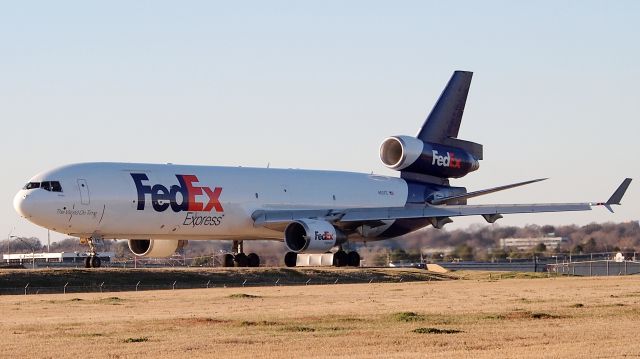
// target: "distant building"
[[60, 257], [529, 243], [429, 251]]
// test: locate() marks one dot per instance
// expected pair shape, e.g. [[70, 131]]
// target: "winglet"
[[616, 197]]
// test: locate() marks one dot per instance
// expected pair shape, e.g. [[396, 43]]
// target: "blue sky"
[[319, 85]]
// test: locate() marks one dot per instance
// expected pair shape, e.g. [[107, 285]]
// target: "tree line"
[[477, 242]]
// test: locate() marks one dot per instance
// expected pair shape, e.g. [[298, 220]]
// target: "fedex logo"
[[446, 161], [163, 197], [325, 236]]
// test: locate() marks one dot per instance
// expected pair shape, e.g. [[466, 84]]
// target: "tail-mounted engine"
[[410, 154], [312, 236]]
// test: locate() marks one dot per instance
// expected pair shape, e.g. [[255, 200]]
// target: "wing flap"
[[265, 217], [459, 210], [276, 218]]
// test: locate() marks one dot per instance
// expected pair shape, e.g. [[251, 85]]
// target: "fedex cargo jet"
[[158, 207]]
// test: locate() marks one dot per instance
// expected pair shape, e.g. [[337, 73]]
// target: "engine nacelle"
[[410, 154], [155, 247], [312, 236]]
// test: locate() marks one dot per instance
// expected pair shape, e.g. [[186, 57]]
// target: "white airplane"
[[158, 207]]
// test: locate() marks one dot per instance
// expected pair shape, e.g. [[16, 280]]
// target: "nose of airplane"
[[22, 204]]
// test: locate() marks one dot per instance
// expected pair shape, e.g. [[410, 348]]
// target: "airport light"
[[9, 238]]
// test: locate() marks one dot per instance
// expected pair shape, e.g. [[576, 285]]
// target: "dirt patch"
[[298, 328], [436, 331], [202, 320], [136, 340], [522, 314], [248, 323], [243, 295], [408, 317], [111, 300]]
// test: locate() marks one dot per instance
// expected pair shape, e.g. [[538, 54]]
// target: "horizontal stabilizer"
[[475, 149], [455, 199]]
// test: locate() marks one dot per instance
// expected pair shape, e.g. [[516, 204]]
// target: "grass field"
[[472, 317]]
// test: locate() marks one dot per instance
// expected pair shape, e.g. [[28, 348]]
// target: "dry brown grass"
[[476, 317]]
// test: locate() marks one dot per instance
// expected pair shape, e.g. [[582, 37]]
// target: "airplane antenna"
[[268, 164]]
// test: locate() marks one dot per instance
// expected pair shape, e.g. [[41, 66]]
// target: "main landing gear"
[[239, 258], [91, 261], [337, 259], [342, 258]]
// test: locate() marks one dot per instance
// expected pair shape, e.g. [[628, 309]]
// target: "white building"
[[60, 257], [529, 243]]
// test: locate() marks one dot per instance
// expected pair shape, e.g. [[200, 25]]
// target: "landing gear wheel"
[[253, 260], [353, 259], [290, 259], [340, 258], [241, 260], [227, 260], [92, 260]]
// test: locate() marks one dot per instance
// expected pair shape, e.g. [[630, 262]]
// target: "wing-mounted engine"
[[158, 248], [312, 236], [410, 154]]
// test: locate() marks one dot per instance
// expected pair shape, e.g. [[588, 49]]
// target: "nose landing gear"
[[92, 261]]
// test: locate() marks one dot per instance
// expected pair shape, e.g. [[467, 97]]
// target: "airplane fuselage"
[[165, 201]]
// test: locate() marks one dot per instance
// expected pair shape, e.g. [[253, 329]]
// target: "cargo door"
[[84, 191]]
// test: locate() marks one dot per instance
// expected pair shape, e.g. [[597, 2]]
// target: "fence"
[[140, 285], [596, 268]]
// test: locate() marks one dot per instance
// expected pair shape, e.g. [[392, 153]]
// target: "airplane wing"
[[277, 219]]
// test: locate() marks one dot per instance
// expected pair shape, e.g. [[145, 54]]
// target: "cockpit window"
[[51, 186], [55, 186], [32, 185]]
